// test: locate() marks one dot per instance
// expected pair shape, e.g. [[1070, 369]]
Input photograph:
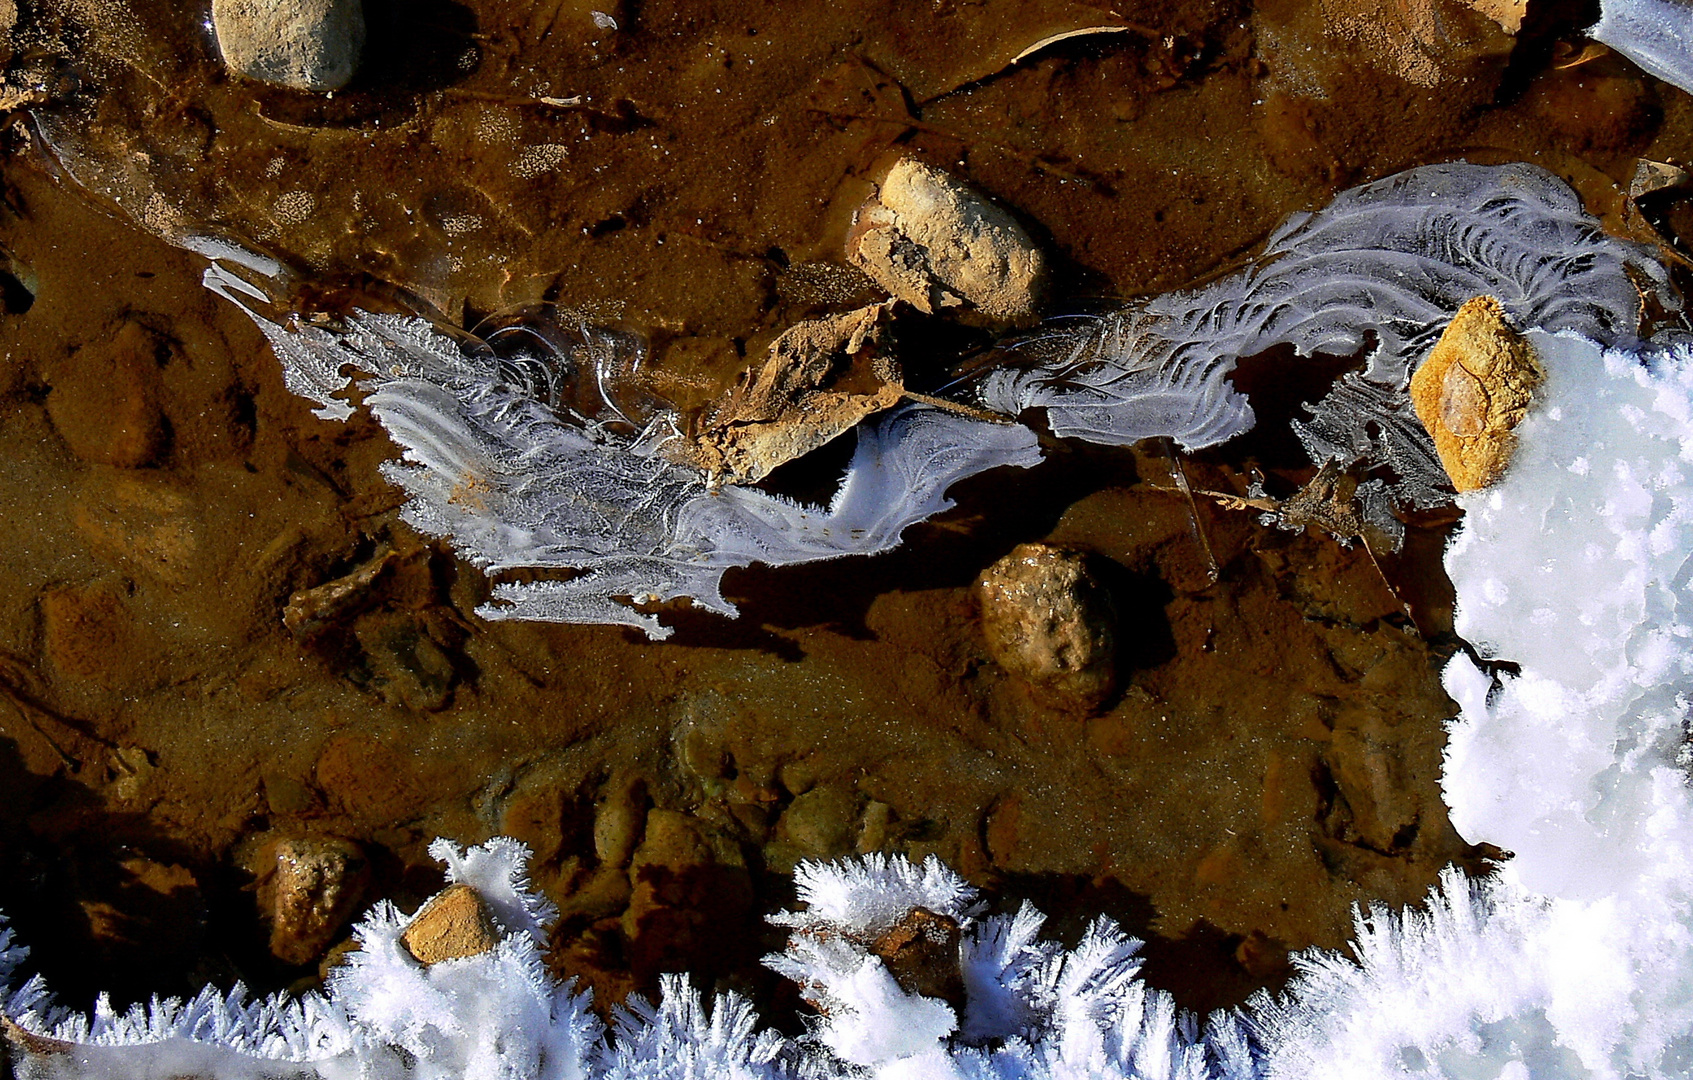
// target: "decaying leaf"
[[1652, 177], [1327, 501], [1333, 500], [818, 380]]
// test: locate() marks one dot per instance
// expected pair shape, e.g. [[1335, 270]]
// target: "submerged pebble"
[[1473, 390], [316, 884], [1048, 620], [942, 247], [618, 823], [300, 44], [114, 418]]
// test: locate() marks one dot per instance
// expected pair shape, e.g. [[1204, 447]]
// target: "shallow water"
[[1271, 759]]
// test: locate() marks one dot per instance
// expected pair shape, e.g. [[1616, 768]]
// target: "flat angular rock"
[[1473, 390], [819, 379], [453, 925], [940, 246], [300, 44]]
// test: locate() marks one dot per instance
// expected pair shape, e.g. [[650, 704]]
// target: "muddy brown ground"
[[1271, 759]]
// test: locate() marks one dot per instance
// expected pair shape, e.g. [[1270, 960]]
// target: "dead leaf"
[[818, 380], [1651, 177], [1326, 502]]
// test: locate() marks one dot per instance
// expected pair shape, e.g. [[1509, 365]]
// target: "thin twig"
[[955, 407], [1180, 476]]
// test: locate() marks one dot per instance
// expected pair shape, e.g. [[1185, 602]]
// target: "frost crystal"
[[517, 480], [1655, 34], [1576, 960], [1384, 265]]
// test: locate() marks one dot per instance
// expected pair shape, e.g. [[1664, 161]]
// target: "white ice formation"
[[1033, 1009], [493, 461], [1381, 268], [1656, 34]]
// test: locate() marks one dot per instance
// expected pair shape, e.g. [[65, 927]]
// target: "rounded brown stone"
[[315, 886], [934, 242], [300, 44], [1048, 620]]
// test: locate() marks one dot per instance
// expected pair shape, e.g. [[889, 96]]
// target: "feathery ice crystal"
[[1382, 267], [516, 481]]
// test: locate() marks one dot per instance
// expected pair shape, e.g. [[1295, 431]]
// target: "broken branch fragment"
[[1473, 390]]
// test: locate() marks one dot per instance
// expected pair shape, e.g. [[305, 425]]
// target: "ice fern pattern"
[[515, 483], [1486, 981], [1382, 268]]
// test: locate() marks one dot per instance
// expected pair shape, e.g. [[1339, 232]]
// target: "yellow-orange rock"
[[1473, 390], [455, 924]]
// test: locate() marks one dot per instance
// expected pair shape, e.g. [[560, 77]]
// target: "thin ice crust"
[[1383, 265], [514, 483]]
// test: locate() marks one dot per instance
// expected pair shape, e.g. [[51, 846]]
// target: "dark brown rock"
[[921, 952], [407, 667], [104, 399], [618, 823]]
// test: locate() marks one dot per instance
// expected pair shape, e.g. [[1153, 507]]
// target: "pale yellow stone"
[[1473, 390], [940, 246]]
